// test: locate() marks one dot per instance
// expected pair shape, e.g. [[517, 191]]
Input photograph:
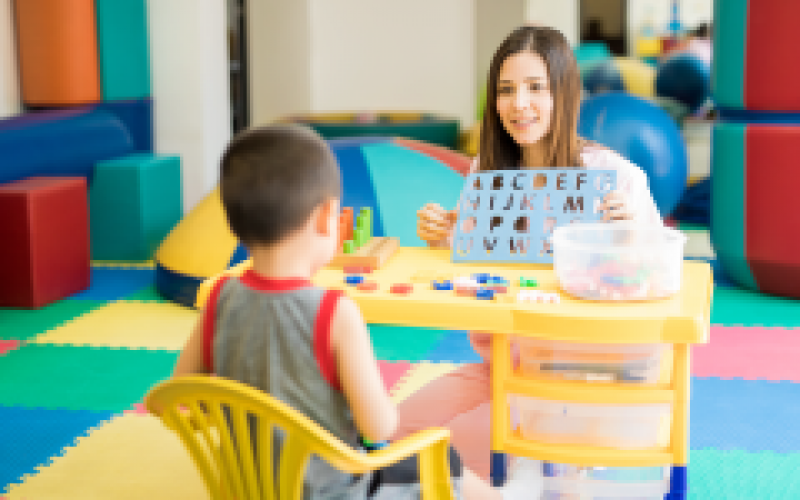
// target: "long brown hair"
[[498, 150]]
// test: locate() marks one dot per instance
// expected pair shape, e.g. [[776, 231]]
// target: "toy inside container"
[[618, 262], [571, 482]]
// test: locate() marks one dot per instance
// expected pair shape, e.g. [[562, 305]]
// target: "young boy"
[[274, 330]]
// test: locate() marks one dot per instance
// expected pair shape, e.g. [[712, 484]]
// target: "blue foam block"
[[454, 347], [357, 190], [137, 116], [116, 284], [60, 143], [29, 437], [744, 415]]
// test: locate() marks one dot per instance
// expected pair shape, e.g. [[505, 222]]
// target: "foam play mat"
[[72, 376]]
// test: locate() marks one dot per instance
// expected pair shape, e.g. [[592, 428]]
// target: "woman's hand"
[[435, 225], [616, 206]]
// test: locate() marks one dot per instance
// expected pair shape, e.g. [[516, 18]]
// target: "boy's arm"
[[190, 360], [373, 410]]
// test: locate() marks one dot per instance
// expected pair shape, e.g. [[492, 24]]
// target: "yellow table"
[[681, 320]]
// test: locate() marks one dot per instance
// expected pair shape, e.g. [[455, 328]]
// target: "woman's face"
[[524, 100]]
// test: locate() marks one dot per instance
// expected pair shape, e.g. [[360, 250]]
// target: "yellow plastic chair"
[[192, 406]]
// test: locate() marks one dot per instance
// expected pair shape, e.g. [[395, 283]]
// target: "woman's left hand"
[[616, 206]]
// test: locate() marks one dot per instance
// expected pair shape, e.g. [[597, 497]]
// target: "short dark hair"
[[273, 178]]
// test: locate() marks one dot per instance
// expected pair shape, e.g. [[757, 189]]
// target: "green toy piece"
[[349, 246]]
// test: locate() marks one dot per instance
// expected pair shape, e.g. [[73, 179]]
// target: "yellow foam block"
[[130, 458], [128, 324], [417, 377]]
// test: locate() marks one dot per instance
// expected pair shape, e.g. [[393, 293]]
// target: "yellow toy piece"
[[230, 472], [680, 320]]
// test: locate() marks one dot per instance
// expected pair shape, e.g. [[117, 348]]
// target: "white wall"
[[659, 13], [415, 55], [189, 58], [494, 21], [279, 58], [9, 77], [559, 14]]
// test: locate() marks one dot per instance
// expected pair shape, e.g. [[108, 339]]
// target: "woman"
[[530, 121]]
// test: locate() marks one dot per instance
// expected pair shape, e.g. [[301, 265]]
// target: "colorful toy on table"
[[359, 251], [509, 216]]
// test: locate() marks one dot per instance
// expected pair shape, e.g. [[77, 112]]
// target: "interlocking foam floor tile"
[[739, 475], [739, 307], [454, 347], [108, 283], [147, 294], [750, 353], [744, 415], [128, 324], [149, 264], [133, 457], [8, 345], [403, 343], [698, 244], [30, 436], [23, 324], [417, 377], [392, 372], [88, 378]]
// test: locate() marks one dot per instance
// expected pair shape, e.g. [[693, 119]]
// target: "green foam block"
[[740, 307], [123, 51], [81, 378], [134, 202]]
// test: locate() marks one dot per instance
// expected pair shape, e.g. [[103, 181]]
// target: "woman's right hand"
[[435, 225]]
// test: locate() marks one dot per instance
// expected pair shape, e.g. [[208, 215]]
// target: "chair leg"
[[678, 483]]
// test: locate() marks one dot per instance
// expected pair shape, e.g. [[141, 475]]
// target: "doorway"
[[605, 21]]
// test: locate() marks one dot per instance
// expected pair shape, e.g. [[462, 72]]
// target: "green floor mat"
[[404, 181], [739, 307], [24, 324], [403, 343], [738, 475], [80, 378], [149, 294]]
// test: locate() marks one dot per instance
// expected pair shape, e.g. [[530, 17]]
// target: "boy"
[[274, 330]]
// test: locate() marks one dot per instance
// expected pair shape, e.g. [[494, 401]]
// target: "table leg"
[[498, 470], [678, 483]]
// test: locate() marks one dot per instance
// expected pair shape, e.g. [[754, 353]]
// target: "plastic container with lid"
[[638, 363], [619, 261], [615, 426]]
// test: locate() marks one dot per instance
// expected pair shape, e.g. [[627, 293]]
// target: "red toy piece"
[[368, 286], [402, 288], [44, 253]]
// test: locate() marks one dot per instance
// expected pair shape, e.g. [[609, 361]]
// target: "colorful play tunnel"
[[755, 228], [392, 177]]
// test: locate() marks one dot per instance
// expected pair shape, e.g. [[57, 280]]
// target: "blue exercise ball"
[[644, 134], [686, 78]]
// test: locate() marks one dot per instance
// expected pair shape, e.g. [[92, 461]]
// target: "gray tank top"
[[275, 335]]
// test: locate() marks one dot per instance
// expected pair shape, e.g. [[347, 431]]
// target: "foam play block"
[[44, 242], [137, 117], [63, 143], [57, 46], [123, 49], [134, 201]]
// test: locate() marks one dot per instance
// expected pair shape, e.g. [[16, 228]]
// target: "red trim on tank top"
[[209, 321], [255, 281], [322, 338]]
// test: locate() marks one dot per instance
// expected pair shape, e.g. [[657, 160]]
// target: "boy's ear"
[[327, 216]]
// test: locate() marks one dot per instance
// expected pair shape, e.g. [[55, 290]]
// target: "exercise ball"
[[621, 74], [644, 134], [685, 77]]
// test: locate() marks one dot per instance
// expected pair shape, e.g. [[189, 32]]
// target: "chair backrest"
[[212, 415]]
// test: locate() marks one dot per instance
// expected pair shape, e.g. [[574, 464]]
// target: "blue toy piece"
[[645, 135], [60, 143], [685, 78], [137, 116], [442, 285], [354, 279], [485, 294], [510, 215]]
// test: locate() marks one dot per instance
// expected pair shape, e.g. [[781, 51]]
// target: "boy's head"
[[273, 179]]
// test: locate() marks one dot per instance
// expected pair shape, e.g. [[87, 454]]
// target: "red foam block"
[[44, 253], [750, 353]]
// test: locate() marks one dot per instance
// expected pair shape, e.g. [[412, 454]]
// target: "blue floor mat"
[[109, 283], [744, 415], [454, 347], [29, 437]]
